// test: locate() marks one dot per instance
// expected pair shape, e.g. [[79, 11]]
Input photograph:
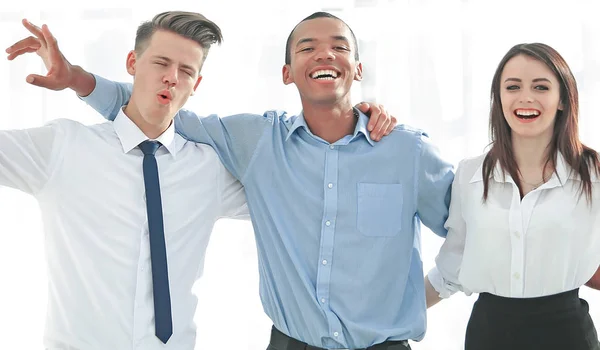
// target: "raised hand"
[[44, 44]]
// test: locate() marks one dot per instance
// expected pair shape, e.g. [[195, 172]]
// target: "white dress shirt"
[[89, 183], [544, 244]]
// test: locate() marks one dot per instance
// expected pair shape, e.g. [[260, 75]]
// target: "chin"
[[157, 119], [331, 99], [531, 134]]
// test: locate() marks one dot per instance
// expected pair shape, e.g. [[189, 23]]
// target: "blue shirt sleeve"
[[108, 97], [234, 138], [434, 187]]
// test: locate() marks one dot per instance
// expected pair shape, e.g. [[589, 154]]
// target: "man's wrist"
[[82, 82]]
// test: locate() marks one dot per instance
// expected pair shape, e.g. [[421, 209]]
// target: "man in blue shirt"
[[336, 215]]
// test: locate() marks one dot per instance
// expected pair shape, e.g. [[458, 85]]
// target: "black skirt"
[[555, 322]]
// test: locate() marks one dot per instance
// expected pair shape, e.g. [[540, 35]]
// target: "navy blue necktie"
[[163, 323]]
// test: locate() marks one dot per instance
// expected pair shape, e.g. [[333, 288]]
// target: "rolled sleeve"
[[445, 276]]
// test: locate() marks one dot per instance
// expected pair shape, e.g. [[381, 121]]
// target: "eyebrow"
[[334, 37], [186, 66], [536, 80]]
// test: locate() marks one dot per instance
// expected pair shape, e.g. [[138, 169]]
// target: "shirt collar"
[[560, 175], [131, 136], [297, 122], [497, 173], [361, 126]]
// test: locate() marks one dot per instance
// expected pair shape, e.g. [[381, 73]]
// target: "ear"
[[130, 63], [561, 106], [286, 73], [358, 72], [196, 85]]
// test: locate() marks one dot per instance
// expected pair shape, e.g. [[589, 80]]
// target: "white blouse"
[[546, 243]]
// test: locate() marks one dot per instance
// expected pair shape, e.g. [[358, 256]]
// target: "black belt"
[[281, 341]]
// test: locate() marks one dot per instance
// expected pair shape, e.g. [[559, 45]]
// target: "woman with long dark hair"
[[524, 223]]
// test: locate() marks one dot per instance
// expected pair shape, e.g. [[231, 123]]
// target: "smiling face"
[[166, 73], [322, 61], [530, 95]]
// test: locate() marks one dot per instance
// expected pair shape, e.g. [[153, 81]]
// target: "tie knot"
[[149, 147]]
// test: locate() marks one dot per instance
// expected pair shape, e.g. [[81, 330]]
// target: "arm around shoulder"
[[107, 96], [236, 138]]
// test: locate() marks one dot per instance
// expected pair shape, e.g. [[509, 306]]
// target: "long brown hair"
[[565, 137]]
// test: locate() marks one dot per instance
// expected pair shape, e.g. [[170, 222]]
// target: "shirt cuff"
[[101, 85], [438, 283]]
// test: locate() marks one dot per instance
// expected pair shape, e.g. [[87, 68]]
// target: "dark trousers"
[[555, 322], [280, 341]]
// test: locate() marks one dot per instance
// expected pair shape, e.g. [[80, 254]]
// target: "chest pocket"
[[379, 209]]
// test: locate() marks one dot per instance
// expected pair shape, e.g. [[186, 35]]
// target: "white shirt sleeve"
[[27, 156], [444, 276], [233, 196]]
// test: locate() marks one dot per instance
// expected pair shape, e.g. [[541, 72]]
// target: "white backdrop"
[[430, 62]]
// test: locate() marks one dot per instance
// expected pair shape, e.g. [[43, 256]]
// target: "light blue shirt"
[[337, 225]]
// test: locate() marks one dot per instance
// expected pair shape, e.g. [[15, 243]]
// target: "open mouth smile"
[[325, 74], [527, 113]]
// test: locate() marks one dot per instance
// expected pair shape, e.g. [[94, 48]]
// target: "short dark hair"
[[190, 25], [288, 44]]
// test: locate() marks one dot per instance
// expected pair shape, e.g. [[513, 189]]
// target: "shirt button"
[[330, 185], [324, 262], [335, 334], [327, 223], [516, 275], [517, 234], [323, 300], [331, 147]]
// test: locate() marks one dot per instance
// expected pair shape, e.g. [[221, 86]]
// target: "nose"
[[324, 54], [171, 76], [526, 98]]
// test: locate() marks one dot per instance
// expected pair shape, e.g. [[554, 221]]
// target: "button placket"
[[330, 208], [517, 244]]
